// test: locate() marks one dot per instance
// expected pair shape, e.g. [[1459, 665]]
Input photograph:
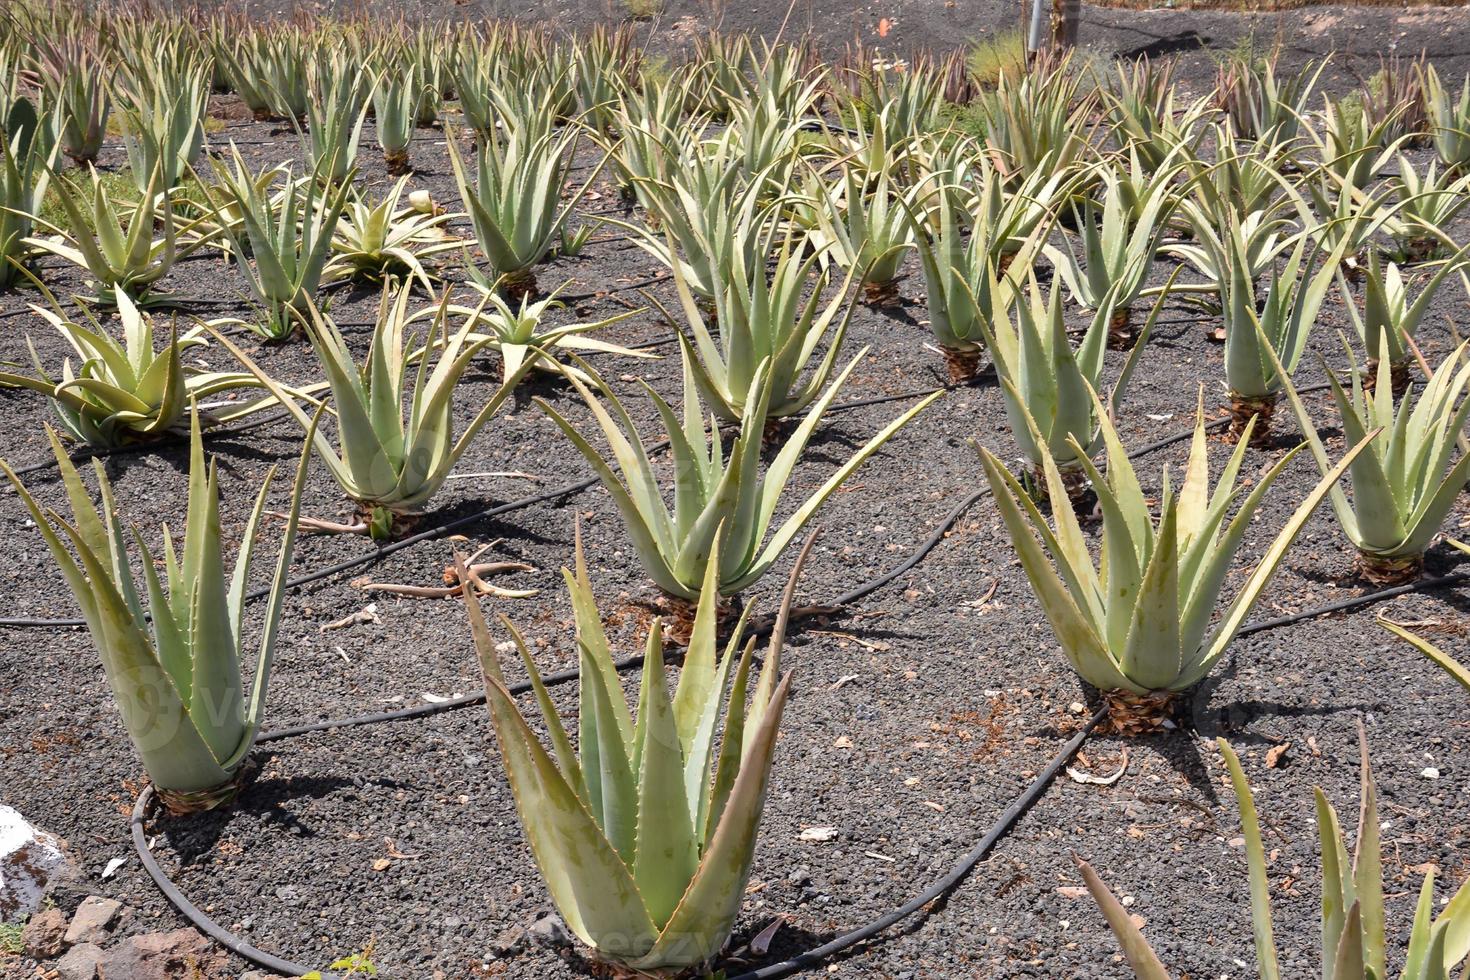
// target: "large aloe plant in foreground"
[[1142, 627], [173, 654], [1354, 921], [645, 834]]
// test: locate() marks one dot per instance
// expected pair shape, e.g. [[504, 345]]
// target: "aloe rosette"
[[645, 835], [1142, 627], [172, 654]]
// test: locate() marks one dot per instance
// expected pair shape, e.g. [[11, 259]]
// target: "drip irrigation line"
[[137, 826], [1352, 602], [955, 875]]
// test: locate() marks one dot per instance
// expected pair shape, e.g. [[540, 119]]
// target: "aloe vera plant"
[[1048, 386], [75, 77], [173, 655], [866, 232], [1404, 485], [389, 465], [128, 391], [1425, 206], [120, 253], [517, 333], [1139, 105], [387, 238], [164, 106], [1389, 319], [1142, 628], [339, 96], [288, 237], [718, 499], [1265, 336], [396, 95], [1258, 101], [1449, 119], [1354, 921], [645, 835], [28, 147], [965, 277], [1119, 242], [766, 333], [516, 203]]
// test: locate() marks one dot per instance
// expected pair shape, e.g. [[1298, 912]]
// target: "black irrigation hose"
[[935, 891], [953, 877]]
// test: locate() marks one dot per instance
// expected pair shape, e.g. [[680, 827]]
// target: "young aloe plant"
[[164, 107], [339, 93], [963, 277], [388, 465], [1259, 103], [1048, 386], [867, 232], [387, 238], [1404, 486], [173, 655], [1449, 119], [721, 500], [396, 96], [1282, 320], [769, 329], [516, 333], [516, 203], [75, 77], [1141, 629], [1426, 205], [1119, 242], [1389, 320], [645, 835], [28, 148], [289, 237], [129, 391], [1354, 922], [121, 254]]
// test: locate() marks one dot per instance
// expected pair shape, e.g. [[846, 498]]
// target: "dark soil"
[[916, 717]]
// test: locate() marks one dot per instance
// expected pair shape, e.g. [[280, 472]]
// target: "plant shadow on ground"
[[195, 838]]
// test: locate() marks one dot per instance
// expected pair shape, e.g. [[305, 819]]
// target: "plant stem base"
[[183, 803], [962, 365], [518, 285], [1121, 335], [1398, 376], [679, 616], [1381, 570], [1242, 409], [881, 293], [1074, 478], [397, 163], [1134, 714]]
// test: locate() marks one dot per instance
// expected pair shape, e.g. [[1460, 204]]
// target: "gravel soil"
[[917, 715]]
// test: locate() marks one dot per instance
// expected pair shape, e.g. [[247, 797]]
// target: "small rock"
[[1430, 773], [510, 941], [79, 963], [94, 917], [31, 861], [44, 936], [549, 930], [182, 954], [260, 975]]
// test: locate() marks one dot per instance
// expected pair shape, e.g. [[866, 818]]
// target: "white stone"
[[29, 860]]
